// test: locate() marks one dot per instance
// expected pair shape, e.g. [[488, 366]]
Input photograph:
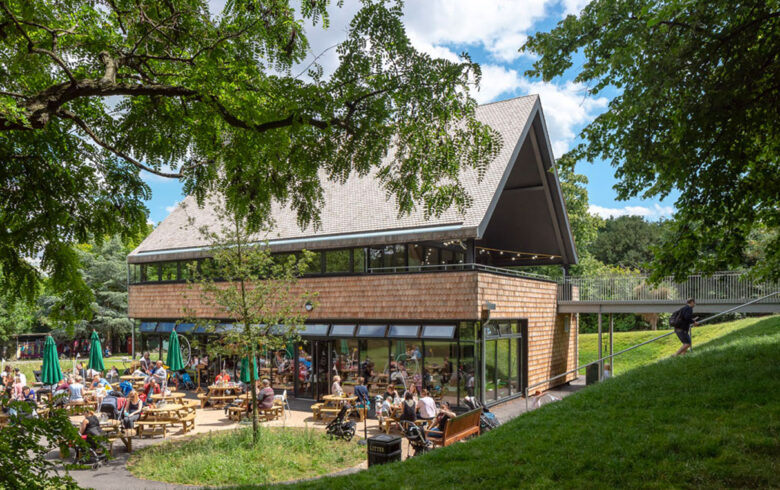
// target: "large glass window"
[[514, 384], [431, 256], [375, 258], [150, 272], [468, 377], [337, 261], [170, 271], [359, 259], [374, 364], [416, 256], [491, 391], [186, 270], [402, 366], [438, 370], [502, 367], [345, 362]]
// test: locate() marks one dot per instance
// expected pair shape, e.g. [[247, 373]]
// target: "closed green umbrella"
[[245, 375], [51, 374], [175, 362], [95, 354]]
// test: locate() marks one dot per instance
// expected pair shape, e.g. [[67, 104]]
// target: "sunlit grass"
[[229, 458]]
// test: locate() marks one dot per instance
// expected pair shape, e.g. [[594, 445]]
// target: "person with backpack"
[[682, 320]]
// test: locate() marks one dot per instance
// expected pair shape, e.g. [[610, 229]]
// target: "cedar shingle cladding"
[[418, 297]]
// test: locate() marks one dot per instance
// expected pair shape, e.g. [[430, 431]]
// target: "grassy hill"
[[710, 419], [651, 352]]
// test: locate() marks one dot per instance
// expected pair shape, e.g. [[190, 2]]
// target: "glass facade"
[[445, 359], [380, 259]]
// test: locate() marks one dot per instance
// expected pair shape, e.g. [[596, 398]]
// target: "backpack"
[[674, 320], [126, 387]]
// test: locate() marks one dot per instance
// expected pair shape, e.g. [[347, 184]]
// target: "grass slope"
[[709, 419], [651, 352]]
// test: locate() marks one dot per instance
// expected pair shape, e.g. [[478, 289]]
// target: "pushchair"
[[186, 382], [341, 428], [487, 420], [417, 440], [96, 453]]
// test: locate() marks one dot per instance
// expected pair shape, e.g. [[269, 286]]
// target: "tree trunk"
[[253, 387]]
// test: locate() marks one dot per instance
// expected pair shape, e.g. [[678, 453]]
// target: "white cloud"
[[170, 209], [574, 7], [496, 81], [500, 26], [566, 108], [655, 212]]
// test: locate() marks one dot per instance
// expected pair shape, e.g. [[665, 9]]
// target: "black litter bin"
[[383, 448], [592, 374]]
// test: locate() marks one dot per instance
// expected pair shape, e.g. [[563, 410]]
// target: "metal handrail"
[[612, 356], [722, 287]]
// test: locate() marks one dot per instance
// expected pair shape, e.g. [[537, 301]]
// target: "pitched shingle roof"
[[359, 211]]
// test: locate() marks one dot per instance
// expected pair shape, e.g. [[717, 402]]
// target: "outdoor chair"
[[285, 403]]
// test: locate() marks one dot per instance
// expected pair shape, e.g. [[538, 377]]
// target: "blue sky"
[[491, 31]]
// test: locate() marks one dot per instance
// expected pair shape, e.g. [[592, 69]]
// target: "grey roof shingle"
[[361, 205]]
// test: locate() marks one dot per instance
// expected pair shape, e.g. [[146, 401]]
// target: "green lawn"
[[654, 351], [710, 419], [228, 458]]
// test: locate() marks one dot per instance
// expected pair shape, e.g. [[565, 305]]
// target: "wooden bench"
[[126, 440], [153, 424], [459, 428], [269, 414], [315, 410], [216, 401], [329, 412], [187, 422]]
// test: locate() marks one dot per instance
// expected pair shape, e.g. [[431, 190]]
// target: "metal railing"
[[611, 357], [722, 287]]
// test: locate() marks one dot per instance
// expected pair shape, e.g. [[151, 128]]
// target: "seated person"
[[98, 382], [426, 406], [393, 394], [28, 395], [409, 406], [90, 428], [146, 364], [150, 388], [437, 429], [265, 398], [335, 389], [222, 377], [159, 374], [76, 390], [17, 389], [133, 409], [386, 410]]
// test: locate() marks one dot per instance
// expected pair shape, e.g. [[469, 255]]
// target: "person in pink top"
[[17, 389]]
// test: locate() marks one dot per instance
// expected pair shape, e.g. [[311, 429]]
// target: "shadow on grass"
[[766, 327]]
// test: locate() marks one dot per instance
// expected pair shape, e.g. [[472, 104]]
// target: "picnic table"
[[218, 395], [168, 415], [331, 405], [174, 397], [264, 414], [131, 378]]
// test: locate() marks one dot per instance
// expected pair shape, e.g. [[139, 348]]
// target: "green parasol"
[[245, 376], [51, 374], [175, 362], [95, 354]]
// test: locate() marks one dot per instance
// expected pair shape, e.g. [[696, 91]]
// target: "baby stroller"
[[487, 420], [95, 455], [340, 428], [417, 440], [186, 382]]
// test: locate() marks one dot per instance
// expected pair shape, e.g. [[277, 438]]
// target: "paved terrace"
[[114, 475]]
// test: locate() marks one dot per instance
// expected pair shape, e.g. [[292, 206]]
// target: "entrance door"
[[312, 374]]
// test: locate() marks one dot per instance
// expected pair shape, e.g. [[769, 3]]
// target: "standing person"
[[146, 363], [682, 326], [361, 392], [21, 375]]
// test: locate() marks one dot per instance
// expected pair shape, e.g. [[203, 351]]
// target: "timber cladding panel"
[[424, 296], [552, 339]]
